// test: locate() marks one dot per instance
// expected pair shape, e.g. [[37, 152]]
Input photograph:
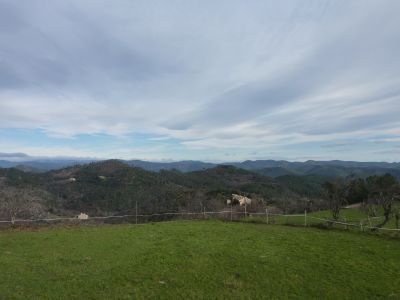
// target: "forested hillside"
[[114, 187], [111, 187]]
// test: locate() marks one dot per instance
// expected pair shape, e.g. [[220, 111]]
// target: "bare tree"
[[335, 193], [397, 216], [383, 191], [18, 202]]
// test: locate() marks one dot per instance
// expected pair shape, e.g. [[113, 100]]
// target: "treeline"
[[374, 193], [112, 187]]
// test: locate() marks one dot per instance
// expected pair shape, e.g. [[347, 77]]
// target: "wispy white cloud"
[[202, 79]]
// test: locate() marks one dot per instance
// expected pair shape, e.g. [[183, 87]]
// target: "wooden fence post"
[[231, 210], [305, 218], [266, 212], [136, 213]]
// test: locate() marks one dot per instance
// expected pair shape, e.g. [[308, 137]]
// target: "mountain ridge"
[[272, 168]]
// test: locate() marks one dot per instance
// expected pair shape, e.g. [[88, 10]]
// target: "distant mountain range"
[[272, 168], [42, 165], [114, 186]]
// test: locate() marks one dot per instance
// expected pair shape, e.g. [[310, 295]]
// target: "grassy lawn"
[[349, 215], [197, 259], [355, 215]]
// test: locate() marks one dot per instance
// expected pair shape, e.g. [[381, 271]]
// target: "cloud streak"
[[203, 79]]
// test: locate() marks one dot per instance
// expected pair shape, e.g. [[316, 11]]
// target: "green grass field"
[[350, 215], [197, 260]]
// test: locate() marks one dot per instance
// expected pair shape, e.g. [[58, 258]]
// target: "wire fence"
[[130, 218], [228, 214], [311, 220]]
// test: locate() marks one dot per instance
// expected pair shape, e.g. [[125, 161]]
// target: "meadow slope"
[[197, 259]]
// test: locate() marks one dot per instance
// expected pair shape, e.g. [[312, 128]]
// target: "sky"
[[201, 80]]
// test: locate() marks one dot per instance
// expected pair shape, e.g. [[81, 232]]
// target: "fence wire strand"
[[203, 213]]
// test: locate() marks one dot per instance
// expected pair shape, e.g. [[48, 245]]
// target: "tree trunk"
[[384, 221]]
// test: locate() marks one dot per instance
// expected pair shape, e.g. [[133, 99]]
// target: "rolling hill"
[[110, 187], [271, 168], [114, 187]]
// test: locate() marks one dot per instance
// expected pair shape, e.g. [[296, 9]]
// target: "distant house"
[[83, 216], [243, 201], [72, 179]]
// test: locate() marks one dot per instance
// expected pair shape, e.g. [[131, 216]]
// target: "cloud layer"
[[197, 79]]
